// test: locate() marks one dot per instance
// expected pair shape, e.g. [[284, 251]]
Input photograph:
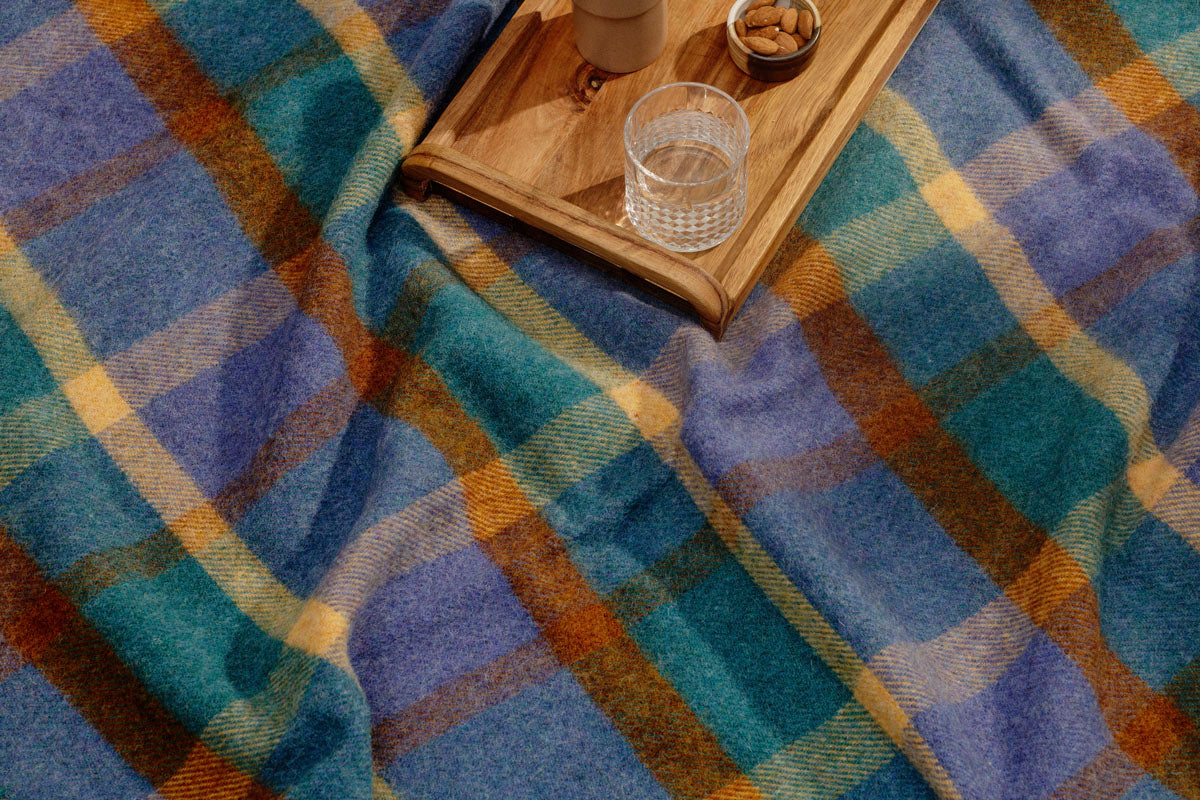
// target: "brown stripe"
[[1091, 301], [1178, 129], [681, 570], [1108, 776], [812, 471], [39, 623], [460, 700], [302, 433], [1091, 32], [660, 727], [1096, 37], [989, 365], [284, 231], [10, 659], [147, 559], [61, 203], [1003, 542]]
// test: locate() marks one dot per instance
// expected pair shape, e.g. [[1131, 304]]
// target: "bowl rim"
[[738, 10]]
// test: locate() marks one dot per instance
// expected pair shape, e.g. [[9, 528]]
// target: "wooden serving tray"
[[536, 135]]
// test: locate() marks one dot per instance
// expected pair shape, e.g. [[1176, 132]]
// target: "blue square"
[[215, 423], [776, 406], [978, 96], [868, 554], [1149, 592], [550, 741], [1145, 329], [1023, 736], [48, 750], [1077, 223], [298, 532], [144, 256], [433, 624], [74, 120]]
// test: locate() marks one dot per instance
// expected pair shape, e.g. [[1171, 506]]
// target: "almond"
[[739, 26], [787, 22], [786, 43], [763, 16], [766, 47], [767, 32], [804, 24], [799, 40], [759, 4]]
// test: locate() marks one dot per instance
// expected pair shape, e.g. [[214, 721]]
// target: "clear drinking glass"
[[685, 166]]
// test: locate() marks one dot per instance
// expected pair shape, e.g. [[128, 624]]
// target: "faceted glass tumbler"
[[685, 166]]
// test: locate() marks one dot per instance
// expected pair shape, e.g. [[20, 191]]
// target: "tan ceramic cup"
[[620, 35]]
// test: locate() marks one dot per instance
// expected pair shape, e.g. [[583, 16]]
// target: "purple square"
[[776, 406], [78, 118], [1023, 736], [433, 624], [1079, 222], [215, 424]]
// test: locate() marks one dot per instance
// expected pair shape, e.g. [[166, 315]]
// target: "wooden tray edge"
[[672, 273]]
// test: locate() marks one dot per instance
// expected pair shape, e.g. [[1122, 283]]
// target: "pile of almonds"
[[774, 31]]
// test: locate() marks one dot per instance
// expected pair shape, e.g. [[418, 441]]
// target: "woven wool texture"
[[309, 490]]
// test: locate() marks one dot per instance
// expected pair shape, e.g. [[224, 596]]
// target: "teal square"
[[233, 39], [1045, 443], [185, 640], [1160, 23], [313, 125], [751, 679], [72, 503], [934, 311], [623, 518], [503, 379], [25, 377], [868, 173]]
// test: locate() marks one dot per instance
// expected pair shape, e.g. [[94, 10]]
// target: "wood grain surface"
[[535, 133]]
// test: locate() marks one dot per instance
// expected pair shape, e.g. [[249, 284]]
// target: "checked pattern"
[[308, 490]]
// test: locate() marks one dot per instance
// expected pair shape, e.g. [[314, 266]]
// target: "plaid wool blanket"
[[310, 490]]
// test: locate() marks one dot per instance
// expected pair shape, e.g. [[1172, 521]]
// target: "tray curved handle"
[[573, 225]]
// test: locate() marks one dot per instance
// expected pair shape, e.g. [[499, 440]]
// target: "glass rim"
[[744, 126]]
